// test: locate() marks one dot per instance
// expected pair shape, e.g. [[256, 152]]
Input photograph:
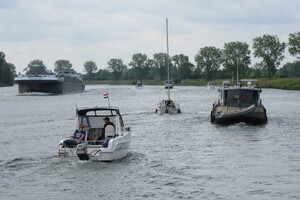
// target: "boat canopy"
[[95, 115], [98, 111]]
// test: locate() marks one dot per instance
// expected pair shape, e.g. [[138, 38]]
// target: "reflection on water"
[[171, 156]]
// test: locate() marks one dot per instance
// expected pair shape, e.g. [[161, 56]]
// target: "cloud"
[[99, 30]]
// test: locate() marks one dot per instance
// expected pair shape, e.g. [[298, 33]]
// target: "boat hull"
[[51, 85], [139, 86], [162, 109], [168, 86], [254, 115], [116, 149]]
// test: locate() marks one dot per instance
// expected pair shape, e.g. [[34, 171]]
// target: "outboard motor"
[[81, 151]]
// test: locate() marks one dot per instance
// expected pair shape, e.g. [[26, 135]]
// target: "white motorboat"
[[99, 144], [168, 106]]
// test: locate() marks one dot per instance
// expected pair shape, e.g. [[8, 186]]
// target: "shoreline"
[[275, 83]]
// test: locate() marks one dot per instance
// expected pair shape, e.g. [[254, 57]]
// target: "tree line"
[[211, 63]]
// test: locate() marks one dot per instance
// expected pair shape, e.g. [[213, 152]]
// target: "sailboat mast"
[[168, 67], [237, 74]]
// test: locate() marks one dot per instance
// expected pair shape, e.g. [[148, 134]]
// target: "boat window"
[[101, 113], [96, 122], [83, 120], [105, 112], [239, 98]]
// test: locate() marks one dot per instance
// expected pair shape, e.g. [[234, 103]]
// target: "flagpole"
[[108, 100]]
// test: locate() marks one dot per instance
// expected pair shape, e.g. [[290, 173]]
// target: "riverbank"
[[277, 83]]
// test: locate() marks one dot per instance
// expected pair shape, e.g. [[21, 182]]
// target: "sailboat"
[[168, 106]]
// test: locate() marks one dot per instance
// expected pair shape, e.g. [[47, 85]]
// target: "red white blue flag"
[[105, 96]]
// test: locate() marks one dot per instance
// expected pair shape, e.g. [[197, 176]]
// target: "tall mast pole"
[[237, 75], [168, 58]]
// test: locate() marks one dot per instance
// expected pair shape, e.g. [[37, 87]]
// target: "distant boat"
[[44, 82], [168, 84], [168, 106], [238, 104], [95, 147], [139, 84], [210, 86]]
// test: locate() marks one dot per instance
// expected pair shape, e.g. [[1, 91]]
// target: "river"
[[180, 156]]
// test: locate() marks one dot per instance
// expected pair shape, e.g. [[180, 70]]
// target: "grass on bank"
[[278, 83]]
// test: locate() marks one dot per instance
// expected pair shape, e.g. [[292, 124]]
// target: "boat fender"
[[105, 143], [212, 117], [266, 118]]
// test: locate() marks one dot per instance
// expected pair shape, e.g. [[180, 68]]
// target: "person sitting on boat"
[[107, 122], [109, 134], [249, 84], [170, 103], [76, 138]]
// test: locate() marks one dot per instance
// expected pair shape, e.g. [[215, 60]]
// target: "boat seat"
[[94, 136], [109, 131]]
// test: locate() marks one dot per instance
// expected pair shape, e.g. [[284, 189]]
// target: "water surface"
[[171, 156]]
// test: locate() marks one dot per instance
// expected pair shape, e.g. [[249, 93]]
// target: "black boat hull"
[[50, 86]]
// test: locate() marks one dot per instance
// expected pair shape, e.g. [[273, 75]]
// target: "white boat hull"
[[163, 109], [116, 149], [139, 86]]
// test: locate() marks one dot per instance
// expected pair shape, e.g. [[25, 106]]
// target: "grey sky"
[[99, 30]]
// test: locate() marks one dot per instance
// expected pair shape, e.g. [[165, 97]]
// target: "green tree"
[[63, 66], [294, 44], [35, 67], [257, 71], [236, 58], [2, 61], [117, 67], [161, 62], [139, 65], [90, 67], [103, 74], [208, 61], [7, 71], [2, 58], [290, 70], [182, 63], [7, 76], [151, 69], [269, 48], [12, 69]]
